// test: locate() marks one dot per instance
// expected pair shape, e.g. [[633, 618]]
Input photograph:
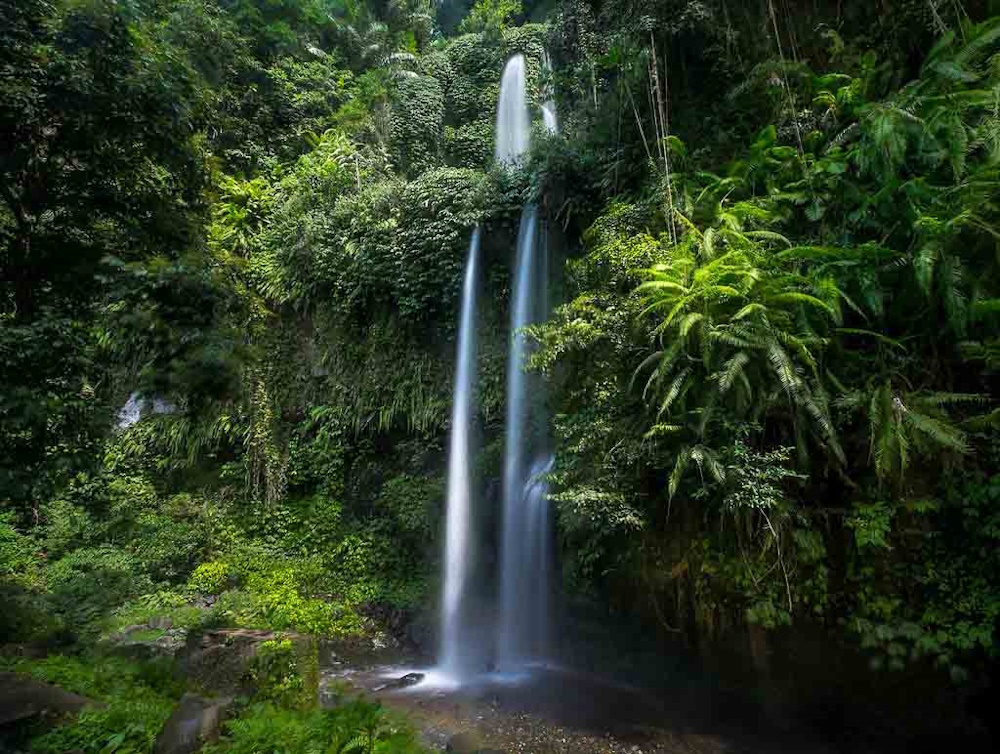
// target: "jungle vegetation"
[[773, 371]]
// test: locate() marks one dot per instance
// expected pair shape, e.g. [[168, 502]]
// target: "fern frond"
[[677, 387], [941, 433], [871, 334], [649, 360], [767, 235], [706, 459], [945, 399], [732, 370], [749, 309], [797, 297], [678, 473], [659, 430], [688, 322], [783, 369]]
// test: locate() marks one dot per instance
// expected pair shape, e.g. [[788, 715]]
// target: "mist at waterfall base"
[[519, 634]]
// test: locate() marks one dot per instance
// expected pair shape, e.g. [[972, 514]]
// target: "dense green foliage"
[[795, 361], [772, 376], [138, 697]]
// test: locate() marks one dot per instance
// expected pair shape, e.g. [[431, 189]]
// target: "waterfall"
[[459, 654], [549, 106], [513, 132], [526, 542], [525, 552]]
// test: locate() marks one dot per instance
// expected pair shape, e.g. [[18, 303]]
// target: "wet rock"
[[162, 622], [22, 698], [465, 742], [410, 679], [194, 722], [420, 634]]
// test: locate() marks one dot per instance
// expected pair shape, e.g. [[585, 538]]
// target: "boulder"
[[129, 642], [195, 721], [218, 659], [410, 679], [22, 698]]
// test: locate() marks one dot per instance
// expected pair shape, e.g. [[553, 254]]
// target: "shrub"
[[86, 584], [283, 605], [285, 673], [357, 727], [416, 123], [209, 578]]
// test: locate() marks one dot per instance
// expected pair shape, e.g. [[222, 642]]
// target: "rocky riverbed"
[[557, 710]]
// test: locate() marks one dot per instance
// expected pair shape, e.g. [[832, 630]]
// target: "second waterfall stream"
[[525, 554]]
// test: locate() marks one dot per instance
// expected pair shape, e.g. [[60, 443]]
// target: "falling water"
[[513, 122], [525, 546], [526, 549], [137, 406], [460, 650], [549, 106], [549, 117]]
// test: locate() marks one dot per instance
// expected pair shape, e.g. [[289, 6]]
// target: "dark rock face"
[[128, 643], [218, 659], [406, 629], [22, 698], [195, 721]]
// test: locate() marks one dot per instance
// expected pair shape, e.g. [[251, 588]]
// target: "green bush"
[[469, 145], [86, 584], [18, 555], [129, 725], [21, 581], [418, 112], [283, 606], [67, 527], [209, 578]]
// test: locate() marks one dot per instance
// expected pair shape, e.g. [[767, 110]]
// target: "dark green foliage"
[[812, 294], [469, 145], [417, 115]]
